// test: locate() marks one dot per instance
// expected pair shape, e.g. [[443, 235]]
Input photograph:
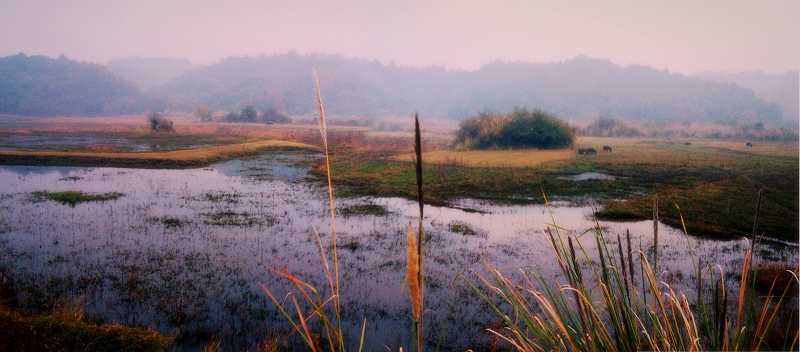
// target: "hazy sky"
[[682, 36]]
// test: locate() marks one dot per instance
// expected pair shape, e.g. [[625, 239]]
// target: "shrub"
[[272, 115], [520, 129], [159, 123], [204, 113]]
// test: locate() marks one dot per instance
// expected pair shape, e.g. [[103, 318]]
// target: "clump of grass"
[[170, 222], [232, 218], [465, 229], [230, 198], [74, 197], [364, 209]]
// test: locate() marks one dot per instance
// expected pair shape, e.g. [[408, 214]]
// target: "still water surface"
[[189, 251]]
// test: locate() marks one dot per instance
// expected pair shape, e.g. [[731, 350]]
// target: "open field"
[[494, 158]]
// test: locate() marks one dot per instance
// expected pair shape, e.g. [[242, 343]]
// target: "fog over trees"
[[577, 90], [149, 73]]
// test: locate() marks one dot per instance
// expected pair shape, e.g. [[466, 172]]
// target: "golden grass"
[[494, 158], [636, 144], [188, 156]]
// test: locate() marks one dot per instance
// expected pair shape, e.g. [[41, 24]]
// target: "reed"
[[624, 304], [416, 252], [331, 325]]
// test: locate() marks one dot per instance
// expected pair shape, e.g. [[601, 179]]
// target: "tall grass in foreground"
[[416, 253], [331, 325], [310, 296], [624, 305]]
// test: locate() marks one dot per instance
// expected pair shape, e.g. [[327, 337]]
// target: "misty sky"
[[681, 36]]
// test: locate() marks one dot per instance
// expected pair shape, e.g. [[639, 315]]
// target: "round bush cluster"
[[520, 129]]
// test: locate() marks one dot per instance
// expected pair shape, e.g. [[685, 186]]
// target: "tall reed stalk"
[[332, 327], [416, 253]]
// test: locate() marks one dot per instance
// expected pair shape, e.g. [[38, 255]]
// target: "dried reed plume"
[[418, 300], [332, 327], [413, 274]]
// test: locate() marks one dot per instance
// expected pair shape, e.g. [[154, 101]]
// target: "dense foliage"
[[518, 130]]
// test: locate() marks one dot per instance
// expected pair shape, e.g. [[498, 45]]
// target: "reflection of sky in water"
[[217, 271]]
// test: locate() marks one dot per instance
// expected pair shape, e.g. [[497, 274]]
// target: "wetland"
[[188, 251]]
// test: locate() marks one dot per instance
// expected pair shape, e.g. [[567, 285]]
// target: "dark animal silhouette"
[[606, 148], [749, 144], [687, 143], [584, 151]]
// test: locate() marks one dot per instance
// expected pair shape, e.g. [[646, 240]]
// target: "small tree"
[[159, 123], [232, 116], [249, 113], [272, 115], [203, 113]]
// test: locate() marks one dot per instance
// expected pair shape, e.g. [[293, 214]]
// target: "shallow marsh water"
[[188, 251]]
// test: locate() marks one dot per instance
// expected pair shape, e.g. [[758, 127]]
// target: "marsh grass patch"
[[466, 229], [364, 210], [221, 197], [73, 197], [243, 219], [70, 178], [170, 222]]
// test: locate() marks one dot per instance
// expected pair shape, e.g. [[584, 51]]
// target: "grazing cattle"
[[606, 148], [749, 144], [584, 151]]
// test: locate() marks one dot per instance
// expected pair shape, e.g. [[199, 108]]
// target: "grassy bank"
[[169, 159], [715, 184], [67, 331]]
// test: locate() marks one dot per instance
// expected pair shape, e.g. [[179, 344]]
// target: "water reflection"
[[187, 251]]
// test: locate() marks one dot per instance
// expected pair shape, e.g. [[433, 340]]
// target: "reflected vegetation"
[[187, 251]]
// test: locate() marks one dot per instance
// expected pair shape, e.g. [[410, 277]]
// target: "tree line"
[[578, 90]]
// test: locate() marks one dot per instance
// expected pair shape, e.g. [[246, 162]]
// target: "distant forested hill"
[[41, 86], [781, 89], [576, 90]]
